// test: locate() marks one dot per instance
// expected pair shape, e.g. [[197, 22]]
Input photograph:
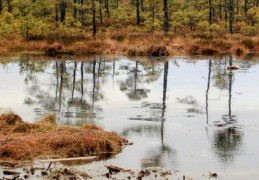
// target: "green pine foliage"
[[50, 19]]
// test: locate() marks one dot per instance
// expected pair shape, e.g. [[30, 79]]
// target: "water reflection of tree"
[[227, 143], [63, 92], [132, 84], [207, 93], [227, 138], [158, 157]]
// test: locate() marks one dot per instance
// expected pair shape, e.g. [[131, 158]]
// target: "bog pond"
[[188, 114]]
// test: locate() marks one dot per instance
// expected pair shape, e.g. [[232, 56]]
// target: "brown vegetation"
[[21, 141], [126, 42]]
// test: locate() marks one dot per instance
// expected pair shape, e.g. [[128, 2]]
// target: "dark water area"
[[191, 115]]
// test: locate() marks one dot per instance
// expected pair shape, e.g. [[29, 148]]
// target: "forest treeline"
[[39, 18], [137, 23]]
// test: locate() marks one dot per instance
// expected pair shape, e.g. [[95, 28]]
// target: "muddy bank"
[[24, 142], [59, 171]]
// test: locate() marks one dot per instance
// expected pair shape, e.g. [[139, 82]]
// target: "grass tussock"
[[22, 141]]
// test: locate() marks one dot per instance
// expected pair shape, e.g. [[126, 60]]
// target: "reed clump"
[[22, 141]]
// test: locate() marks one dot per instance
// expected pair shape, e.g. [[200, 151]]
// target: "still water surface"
[[190, 115]]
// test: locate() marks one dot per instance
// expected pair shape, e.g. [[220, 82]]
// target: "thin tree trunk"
[[75, 9], [107, 11], [153, 14], [237, 6], [220, 9], [100, 11], [56, 12], [231, 15], [142, 5], [137, 12], [210, 11], [226, 13], [1, 6], [166, 16], [63, 7], [9, 6], [94, 18]]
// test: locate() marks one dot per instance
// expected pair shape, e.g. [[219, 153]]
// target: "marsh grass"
[[21, 141], [134, 43]]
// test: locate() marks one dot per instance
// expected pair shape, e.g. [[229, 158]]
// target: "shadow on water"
[[227, 138]]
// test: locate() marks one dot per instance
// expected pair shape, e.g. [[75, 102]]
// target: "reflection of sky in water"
[[127, 97]]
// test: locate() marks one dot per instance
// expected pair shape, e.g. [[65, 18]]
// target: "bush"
[[249, 43], [215, 28], [250, 30]]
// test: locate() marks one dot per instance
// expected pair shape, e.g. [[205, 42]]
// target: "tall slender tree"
[[1, 6], [137, 12], [75, 9], [166, 16], [231, 15], [101, 11], [107, 10], [210, 11], [9, 5], [63, 7], [94, 18]]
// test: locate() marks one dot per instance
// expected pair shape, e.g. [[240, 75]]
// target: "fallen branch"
[[68, 159]]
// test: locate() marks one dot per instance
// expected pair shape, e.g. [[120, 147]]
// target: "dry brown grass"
[[20, 141], [136, 43]]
